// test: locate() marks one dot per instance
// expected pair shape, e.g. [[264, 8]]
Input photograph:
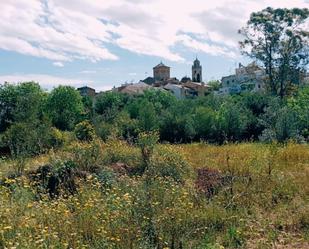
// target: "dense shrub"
[[57, 138], [87, 156], [119, 151], [108, 104], [127, 127], [84, 131], [26, 139], [204, 122], [165, 162], [281, 124], [55, 179], [231, 123]]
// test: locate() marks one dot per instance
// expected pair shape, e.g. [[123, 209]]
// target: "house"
[[133, 88], [201, 89], [174, 89], [149, 80], [246, 79], [86, 91], [185, 79]]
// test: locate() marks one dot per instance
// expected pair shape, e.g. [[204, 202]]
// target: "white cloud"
[[84, 29], [48, 82], [88, 71], [58, 64], [199, 46], [43, 30]]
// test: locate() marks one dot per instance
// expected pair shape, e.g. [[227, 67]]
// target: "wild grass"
[[260, 199]]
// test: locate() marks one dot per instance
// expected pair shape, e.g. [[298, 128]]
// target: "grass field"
[[246, 195]]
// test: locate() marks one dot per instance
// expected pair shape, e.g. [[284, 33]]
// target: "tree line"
[[33, 121]]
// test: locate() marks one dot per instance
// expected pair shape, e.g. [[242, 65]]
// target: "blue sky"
[[108, 42]]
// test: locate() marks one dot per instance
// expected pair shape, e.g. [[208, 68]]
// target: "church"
[[162, 74], [197, 71], [186, 87]]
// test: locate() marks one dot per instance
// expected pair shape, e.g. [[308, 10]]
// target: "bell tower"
[[197, 71]]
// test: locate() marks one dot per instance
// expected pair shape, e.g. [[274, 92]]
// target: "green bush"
[[88, 157], [84, 131], [166, 162], [281, 124], [64, 107], [26, 139], [57, 138], [119, 151], [103, 129]]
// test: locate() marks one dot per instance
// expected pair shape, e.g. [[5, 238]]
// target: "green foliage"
[[300, 105], [107, 104], [160, 99], [147, 118], [234, 238], [127, 127], [87, 156], [84, 131], [147, 141], [57, 138], [281, 124], [64, 107], [88, 106], [119, 151], [20, 103], [26, 139], [231, 122], [276, 38], [177, 124], [204, 122], [166, 162], [215, 85]]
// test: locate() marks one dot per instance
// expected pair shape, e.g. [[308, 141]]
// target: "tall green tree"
[[231, 122], [204, 122], [278, 40], [64, 107], [20, 103], [300, 105], [108, 104], [147, 118]]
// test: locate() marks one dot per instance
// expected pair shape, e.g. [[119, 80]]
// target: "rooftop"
[[161, 65]]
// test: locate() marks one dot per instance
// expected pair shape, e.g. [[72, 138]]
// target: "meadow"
[[115, 195]]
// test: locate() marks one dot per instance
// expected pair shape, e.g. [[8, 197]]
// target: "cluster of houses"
[[162, 80], [248, 78]]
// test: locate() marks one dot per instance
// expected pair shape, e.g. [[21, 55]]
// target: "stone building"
[[197, 71], [133, 89], [161, 72], [86, 91], [246, 79]]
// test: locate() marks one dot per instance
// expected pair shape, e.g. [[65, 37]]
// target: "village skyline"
[[102, 45]]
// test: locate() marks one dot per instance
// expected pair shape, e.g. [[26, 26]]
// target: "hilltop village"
[[248, 78]]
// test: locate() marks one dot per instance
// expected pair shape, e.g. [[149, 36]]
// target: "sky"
[[104, 43]]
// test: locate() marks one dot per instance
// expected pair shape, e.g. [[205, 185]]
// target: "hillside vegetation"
[[116, 195]]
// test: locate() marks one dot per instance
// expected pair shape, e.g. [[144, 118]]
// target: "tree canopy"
[[279, 41]]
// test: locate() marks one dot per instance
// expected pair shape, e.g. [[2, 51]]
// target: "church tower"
[[196, 71]]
